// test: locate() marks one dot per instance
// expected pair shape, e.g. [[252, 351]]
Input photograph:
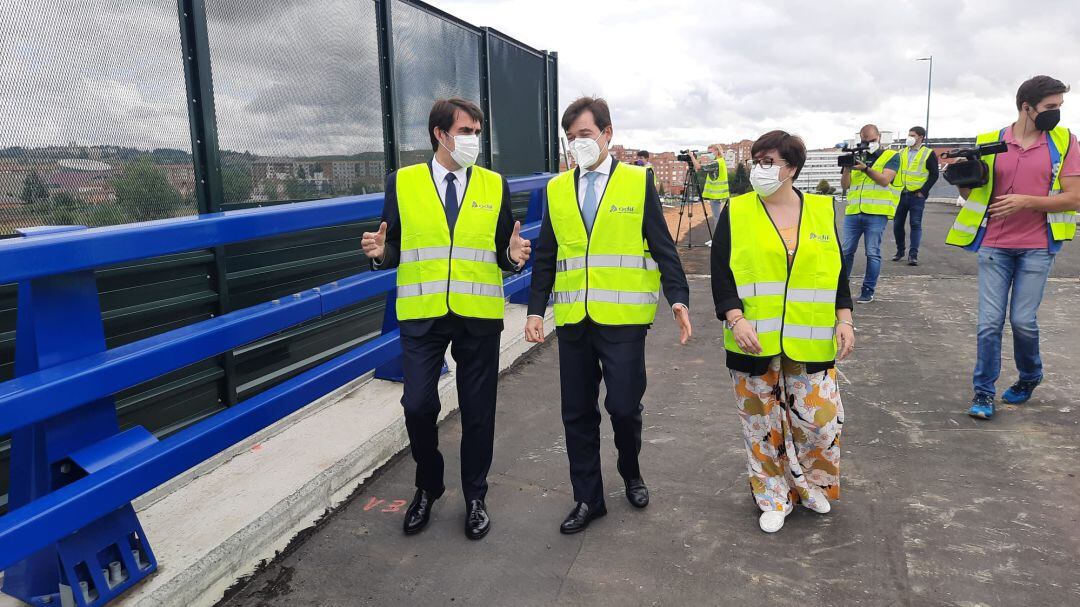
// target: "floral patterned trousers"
[[791, 424]]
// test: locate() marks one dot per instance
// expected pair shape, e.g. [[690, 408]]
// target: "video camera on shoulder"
[[972, 171], [861, 153]]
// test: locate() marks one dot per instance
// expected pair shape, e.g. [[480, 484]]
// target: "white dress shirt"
[[603, 172], [439, 173]]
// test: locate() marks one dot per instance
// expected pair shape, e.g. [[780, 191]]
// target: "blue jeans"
[[1021, 273], [913, 206], [869, 228]]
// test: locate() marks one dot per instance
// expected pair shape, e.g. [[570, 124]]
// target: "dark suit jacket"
[[654, 229], [392, 255]]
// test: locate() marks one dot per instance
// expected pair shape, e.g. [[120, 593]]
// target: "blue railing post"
[[535, 213], [59, 320]]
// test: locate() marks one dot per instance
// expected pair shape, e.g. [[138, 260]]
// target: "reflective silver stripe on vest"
[[569, 297], [758, 289], [975, 207], [623, 297], [963, 228], [767, 325], [423, 288], [1061, 218], [807, 332], [468, 254], [570, 263], [475, 288], [622, 261], [812, 295], [424, 254]]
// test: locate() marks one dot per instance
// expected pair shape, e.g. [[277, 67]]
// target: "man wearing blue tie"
[[447, 228], [604, 251]]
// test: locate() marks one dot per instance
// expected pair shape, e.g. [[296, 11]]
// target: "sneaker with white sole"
[[818, 502], [772, 521]]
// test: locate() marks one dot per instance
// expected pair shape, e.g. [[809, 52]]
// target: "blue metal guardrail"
[[71, 536]]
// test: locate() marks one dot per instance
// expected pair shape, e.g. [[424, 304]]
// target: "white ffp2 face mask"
[[585, 151], [466, 150], [766, 181], [910, 141]]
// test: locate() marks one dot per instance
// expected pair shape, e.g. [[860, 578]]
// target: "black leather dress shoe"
[[477, 521], [580, 517], [637, 493], [898, 257], [419, 512]]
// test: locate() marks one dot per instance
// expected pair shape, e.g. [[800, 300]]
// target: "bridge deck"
[[937, 508]]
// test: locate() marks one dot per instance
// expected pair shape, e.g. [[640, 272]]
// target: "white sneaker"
[[818, 502], [772, 521]]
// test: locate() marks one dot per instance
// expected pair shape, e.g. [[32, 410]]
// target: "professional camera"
[[974, 172], [684, 155], [861, 153]]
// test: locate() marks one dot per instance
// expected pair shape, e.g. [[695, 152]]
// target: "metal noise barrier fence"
[[71, 536]]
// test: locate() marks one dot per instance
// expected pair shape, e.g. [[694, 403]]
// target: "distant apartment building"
[[319, 177], [670, 171], [820, 165], [737, 153]]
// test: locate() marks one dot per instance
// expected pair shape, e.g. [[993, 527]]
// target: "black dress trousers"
[[589, 353], [477, 358]]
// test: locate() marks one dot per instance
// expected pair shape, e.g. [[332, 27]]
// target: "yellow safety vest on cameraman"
[[608, 275], [439, 274], [913, 174], [792, 308], [717, 189], [972, 215], [866, 196]]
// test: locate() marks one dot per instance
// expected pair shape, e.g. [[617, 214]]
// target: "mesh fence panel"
[[297, 96], [433, 58], [93, 117], [516, 78]]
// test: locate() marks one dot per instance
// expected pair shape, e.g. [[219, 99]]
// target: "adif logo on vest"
[[819, 237], [623, 209], [487, 206]]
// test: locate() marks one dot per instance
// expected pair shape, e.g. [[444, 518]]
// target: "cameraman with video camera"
[[867, 176], [1021, 191]]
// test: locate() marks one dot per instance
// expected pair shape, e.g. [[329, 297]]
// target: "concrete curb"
[[216, 523]]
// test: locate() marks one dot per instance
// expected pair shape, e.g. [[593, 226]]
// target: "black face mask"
[[1047, 120]]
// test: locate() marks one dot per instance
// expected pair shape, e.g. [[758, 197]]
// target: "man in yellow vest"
[[643, 161], [447, 228], [918, 173], [871, 203], [604, 251], [1018, 222]]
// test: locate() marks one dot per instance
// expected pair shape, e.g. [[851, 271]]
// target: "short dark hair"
[[1034, 90], [643, 154], [594, 105], [443, 113], [790, 147], [918, 130]]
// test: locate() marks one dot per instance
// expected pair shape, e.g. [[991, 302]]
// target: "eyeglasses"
[[765, 162]]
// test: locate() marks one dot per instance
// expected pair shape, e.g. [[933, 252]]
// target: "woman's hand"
[[746, 336], [845, 337]]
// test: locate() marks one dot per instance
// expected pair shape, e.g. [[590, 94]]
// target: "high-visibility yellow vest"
[[792, 308], [655, 179], [439, 273], [913, 174], [607, 275], [717, 189], [973, 214], [866, 196]]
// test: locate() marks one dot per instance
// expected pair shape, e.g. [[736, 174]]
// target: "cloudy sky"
[[299, 77], [692, 72]]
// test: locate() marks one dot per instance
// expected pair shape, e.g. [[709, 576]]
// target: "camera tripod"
[[686, 206]]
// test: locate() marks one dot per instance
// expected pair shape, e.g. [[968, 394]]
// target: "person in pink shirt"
[[1032, 197]]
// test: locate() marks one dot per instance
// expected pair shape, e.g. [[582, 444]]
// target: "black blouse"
[[726, 296]]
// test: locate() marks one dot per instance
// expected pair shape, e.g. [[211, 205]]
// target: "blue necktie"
[[450, 202], [588, 208]]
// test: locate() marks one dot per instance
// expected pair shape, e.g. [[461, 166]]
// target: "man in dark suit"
[[447, 227], [605, 250]]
